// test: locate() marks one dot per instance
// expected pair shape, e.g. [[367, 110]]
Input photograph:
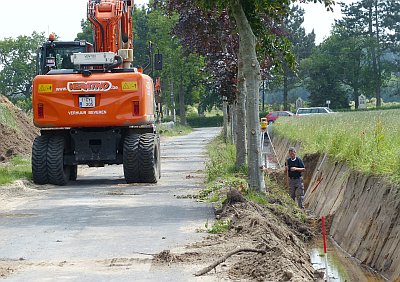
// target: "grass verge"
[[222, 176], [367, 141], [17, 168], [173, 130]]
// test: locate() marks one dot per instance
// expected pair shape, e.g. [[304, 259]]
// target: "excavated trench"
[[362, 211]]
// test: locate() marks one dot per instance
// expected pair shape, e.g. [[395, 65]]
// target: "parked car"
[[313, 110], [272, 116]]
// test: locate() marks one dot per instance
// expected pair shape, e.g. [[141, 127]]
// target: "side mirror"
[[158, 61]]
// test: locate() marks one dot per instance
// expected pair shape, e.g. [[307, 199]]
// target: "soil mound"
[[17, 140], [259, 246]]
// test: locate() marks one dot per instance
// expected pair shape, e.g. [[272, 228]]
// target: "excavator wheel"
[[149, 152], [73, 175], [39, 160], [131, 160], [58, 173]]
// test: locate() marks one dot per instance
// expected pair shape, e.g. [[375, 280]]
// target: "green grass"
[[222, 159], [17, 168], [222, 175], [7, 117], [219, 226], [368, 141], [174, 130]]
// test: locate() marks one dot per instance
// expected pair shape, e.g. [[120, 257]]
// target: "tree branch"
[[224, 258]]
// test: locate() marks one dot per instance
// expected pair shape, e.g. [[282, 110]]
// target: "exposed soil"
[[256, 227], [16, 141]]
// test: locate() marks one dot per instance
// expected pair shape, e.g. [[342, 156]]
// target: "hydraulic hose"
[[118, 61]]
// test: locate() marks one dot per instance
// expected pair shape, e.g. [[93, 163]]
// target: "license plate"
[[87, 102]]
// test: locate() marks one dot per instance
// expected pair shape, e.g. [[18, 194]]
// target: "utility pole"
[[173, 101], [263, 93]]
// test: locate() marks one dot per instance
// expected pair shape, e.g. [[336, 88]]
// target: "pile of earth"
[[16, 140], [260, 245]]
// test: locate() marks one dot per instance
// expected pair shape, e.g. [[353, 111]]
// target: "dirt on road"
[[262, 244], [273, 245]]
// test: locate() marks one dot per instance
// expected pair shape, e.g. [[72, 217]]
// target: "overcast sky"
[[64, 17]]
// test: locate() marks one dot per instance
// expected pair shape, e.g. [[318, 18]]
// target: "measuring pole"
[[325, 252]]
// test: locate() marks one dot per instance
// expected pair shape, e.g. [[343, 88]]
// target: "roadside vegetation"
[[17, 168], [222, 176], [174, 129], [368, 141], [7, 117]]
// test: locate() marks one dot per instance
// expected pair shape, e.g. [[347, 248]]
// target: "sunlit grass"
[[367, 141], [17, 168], [7, 117], [173, 130], [222, 159], [223, 176]]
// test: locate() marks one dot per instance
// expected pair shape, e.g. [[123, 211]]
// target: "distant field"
[[368, 141]]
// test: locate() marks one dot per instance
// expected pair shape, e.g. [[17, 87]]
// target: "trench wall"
[[364, 209]]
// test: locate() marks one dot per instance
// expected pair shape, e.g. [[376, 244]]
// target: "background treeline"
[[361, 56]]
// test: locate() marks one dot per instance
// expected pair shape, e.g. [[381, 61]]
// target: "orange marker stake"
[[326, 255]]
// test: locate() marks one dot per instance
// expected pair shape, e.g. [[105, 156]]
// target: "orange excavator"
[[92, 106]]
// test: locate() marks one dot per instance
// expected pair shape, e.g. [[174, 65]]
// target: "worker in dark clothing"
[[295, 168]]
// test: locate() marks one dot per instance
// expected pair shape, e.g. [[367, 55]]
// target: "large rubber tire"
[[131, 160], [73, 175], [58, 173], [39, 160], [149, 156]]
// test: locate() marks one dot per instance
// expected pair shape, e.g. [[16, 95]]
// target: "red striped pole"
[[324, 233]]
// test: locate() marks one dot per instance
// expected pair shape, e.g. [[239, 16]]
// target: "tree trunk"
[[225, 111], [378, 59], [374, 53], [285, 88], [241, 152], [182, 110], [252, 79], [355, 97], [233, 123]]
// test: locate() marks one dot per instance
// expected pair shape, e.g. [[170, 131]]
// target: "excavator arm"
[[112, 25]]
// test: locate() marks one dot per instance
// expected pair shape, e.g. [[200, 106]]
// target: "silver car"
[[313, 110]]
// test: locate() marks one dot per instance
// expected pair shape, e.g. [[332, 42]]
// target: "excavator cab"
[[57, 54]]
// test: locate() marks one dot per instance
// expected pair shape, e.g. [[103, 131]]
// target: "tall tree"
[[302, 47], [323, 74], [181, 71], [18, 64], [254, 20], [210, 34], [377, 19], [87, 32]]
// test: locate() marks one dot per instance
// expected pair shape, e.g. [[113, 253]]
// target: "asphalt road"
[[101, 229]]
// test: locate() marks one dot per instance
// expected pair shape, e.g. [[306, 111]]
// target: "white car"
[[313, 110]]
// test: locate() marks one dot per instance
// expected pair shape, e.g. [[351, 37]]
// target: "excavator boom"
[[112, 24]]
